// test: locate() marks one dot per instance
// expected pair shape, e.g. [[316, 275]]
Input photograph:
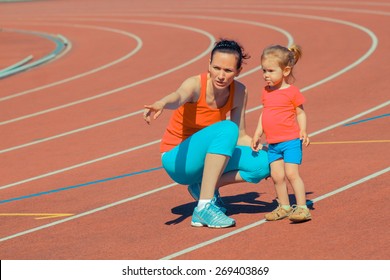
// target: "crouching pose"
[[202, 149]]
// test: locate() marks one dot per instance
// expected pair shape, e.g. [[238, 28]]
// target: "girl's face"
[[223, 69], [273, 74]]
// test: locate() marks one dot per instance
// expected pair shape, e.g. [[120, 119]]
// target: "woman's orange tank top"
[[192, 117]]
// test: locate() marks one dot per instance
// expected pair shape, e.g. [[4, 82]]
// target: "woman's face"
[[223, 69]]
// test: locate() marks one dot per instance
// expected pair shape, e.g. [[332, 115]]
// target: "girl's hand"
[[305, 138], [255, 144]]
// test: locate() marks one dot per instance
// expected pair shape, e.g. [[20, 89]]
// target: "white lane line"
[[100, 68], [309, 87], [284, 32], [17, 64], [251, 110], [157, 141], [104, 207], [376, 4], [387, 103], [371, 50], [288, 35], [79, 165], [62, 47], [81, 214], [254, 70], [200, 245], [290, 40], [196, 58], [70, 132], [250, 226]]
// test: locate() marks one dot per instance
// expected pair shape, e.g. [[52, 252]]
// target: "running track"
[[81, 175]]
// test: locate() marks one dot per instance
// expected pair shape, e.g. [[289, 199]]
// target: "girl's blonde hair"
[[286, 56]]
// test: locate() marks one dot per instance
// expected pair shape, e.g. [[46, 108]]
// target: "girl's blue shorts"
[[290, 151]]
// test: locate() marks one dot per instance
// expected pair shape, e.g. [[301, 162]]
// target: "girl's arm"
[[301, 118], [255, 144], [187, 92]]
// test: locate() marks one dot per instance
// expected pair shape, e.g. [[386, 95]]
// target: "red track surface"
[[59, 130]]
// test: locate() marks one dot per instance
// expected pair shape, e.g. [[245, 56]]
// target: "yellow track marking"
[[38, 216]]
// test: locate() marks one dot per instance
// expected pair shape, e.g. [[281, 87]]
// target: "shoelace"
[[218, 215], [297, 210]]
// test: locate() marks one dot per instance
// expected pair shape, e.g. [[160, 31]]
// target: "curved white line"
[[205, 52], [360, 11], [17, 64], [134, 51], [350, 3], [370, 51], [125, 151], [290, 40], [168, 186], [70, 132], [284, 32], [379, 173], [157, 141]]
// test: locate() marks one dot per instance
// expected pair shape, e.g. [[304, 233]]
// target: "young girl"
[[283, 121]]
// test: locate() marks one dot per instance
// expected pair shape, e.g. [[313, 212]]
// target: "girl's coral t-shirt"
[[279, 118]]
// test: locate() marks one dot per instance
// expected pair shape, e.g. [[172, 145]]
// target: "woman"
[[202, 149]]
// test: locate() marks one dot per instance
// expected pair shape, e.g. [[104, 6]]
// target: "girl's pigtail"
[[296, 54]]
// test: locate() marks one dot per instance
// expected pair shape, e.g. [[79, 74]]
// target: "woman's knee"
[[223, 138], [228, 129]]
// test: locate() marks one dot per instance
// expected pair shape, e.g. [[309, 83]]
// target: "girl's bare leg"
[[278, 176], [296, 182]]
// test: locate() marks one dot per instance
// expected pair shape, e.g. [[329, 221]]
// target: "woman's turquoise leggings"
[[185, 163]]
